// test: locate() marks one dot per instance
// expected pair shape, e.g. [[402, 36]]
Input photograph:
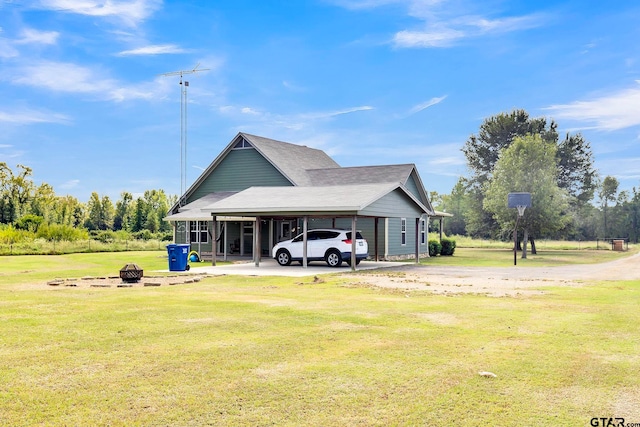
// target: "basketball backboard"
[[519, 199]]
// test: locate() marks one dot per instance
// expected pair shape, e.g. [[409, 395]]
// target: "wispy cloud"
[[615, 111], [445, 33], [72, 78], [289, 121], [7, 50], [72, 183], [329, 114], [292, 86], [444, 22], [26, 117], [128, 12], [29, 35], [158, 49], [427, 104]]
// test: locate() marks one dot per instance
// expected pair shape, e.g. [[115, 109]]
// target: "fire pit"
[[131, 273]]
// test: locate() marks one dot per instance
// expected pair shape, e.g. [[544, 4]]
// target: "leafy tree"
[[101, 213], [94, 212], [607, 193], [16, 192], [43, 202], [456, 204], [123, 213], [575, 171], [108, 212], [498, 132], [68, 211], [140, 215], [529, 165]]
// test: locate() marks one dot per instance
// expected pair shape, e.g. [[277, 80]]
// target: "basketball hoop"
[[520, 201]]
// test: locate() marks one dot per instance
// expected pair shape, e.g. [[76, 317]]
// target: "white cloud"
[[73, 183], [445, 22], [427, 104], [127, 11], [615, 111], [29, 35], [158, 49], [26, 117], [73, 78], [329, 114], [249, 110], [443, 37], [446, 32], [7, 50]]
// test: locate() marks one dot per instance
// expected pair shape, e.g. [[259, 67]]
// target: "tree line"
[[36, 209], [513, 152]]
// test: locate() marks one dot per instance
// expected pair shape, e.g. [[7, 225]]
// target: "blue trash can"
[[178, 257]]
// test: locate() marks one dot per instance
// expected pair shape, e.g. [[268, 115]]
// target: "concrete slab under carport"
[[269, 267]]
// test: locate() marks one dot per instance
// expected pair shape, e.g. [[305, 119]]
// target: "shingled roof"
[[291, 160], [360, 175]]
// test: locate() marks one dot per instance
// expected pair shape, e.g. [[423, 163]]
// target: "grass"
[[252, 351]]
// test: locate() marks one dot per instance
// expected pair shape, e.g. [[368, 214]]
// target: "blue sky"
[[83, 101]]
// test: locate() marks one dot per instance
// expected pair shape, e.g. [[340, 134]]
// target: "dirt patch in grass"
[[497, 281]]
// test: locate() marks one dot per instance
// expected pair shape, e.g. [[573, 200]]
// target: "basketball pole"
[[521, 209], [515, 241]]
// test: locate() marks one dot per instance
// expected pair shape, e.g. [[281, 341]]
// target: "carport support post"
[[214, 239], [224, 242], [375, 237], [305, 225], [418, 240], [353, 242], [257, 242]]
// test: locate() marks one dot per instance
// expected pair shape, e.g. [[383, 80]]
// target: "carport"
[[375, 201]]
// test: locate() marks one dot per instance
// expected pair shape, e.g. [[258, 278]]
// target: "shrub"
[[434, 248], [105, 236], [448, 247], [29, 223], [143, 235], [58, 232], [10, 235]]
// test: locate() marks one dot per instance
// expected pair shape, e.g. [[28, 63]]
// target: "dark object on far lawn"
[[131, 273]]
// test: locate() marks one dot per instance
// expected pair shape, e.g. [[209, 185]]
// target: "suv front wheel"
[[283, 257], [333, 258]]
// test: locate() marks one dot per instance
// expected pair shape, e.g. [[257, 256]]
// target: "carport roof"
[[290, 201]]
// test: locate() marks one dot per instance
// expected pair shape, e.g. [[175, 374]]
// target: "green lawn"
[[254, 351]]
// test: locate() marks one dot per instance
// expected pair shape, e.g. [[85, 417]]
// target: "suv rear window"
[[358, 235]]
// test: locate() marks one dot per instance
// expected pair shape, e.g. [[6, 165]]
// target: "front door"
[[247, 238]]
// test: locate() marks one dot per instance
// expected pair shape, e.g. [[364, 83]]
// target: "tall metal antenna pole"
[[183, 125]]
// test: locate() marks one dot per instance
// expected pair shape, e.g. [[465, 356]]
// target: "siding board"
[[239, 170]]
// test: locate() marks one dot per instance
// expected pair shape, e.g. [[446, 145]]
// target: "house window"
[[423, 231], [199, 232], [243, 143], [403, 231]]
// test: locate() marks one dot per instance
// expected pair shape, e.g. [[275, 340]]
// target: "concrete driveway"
[[269, 267]]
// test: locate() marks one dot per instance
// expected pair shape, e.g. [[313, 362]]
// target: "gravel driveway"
[[499, 281]]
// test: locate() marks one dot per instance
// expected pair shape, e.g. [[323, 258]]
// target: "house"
[[259, 191]]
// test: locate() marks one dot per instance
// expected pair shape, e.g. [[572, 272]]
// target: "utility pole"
[[183, 125]]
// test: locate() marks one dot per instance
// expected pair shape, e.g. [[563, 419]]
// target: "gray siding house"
[[259, 191]]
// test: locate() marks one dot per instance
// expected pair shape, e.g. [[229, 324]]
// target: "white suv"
[[329, 245]]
